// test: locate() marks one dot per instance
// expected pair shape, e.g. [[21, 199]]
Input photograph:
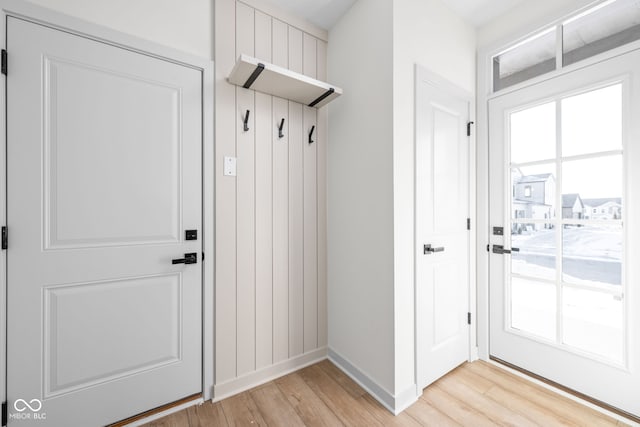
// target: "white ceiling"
[[325, 13]]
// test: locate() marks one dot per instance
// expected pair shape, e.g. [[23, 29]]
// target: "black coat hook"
[[246, 121], [280, 134], [311, 141]]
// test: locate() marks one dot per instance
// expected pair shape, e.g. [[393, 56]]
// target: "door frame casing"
[[439, 82], [52, 19]]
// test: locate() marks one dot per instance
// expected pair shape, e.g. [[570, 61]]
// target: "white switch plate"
[[229, 166]]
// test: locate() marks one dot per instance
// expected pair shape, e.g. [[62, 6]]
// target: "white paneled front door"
[[442, 212], [104, 178]]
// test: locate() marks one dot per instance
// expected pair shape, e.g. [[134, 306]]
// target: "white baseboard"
[[406, 398], [238, 385], [245, 382], [394, 403]]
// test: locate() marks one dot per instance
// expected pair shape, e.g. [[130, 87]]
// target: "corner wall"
[[374, 49], [360, 237]]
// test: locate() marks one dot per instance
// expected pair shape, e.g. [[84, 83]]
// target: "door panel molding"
[[63, 372], [62, 230]]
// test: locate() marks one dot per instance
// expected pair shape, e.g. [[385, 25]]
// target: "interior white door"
[[104, 177], [563, 184], [442, 209]]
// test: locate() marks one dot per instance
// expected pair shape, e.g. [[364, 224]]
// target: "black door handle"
[[499, 249], [428, 249], [190, 258]]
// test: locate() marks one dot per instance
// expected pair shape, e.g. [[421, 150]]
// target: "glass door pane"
[[591, 121], [592, 321], [566, 175]]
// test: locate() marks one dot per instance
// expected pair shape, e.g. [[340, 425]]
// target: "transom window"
[[601, 28]]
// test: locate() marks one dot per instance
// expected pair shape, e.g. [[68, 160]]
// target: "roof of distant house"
[[569, 200], [599, 202], [533, 178]]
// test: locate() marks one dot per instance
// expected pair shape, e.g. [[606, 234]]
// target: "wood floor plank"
[[562, 406], [493, 410], [274, 406], [309, 407], [208, 414], [430, 416], [457, 410], [241, 410], [476, 394], [529, 409], [473, 380], [337, 398], [341, 378], [383, 415]]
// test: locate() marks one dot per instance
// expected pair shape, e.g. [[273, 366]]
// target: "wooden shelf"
[[251, 73]]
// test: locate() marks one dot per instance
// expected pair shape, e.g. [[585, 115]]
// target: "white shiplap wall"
[[271, 268]]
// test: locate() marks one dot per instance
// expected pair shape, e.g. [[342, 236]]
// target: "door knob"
[[190, 258], [428, 249]]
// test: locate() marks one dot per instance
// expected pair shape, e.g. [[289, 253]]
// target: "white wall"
[[360, 241], [374, 49], [427, 33], [183, 25]]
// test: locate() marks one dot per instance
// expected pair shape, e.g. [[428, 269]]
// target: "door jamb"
[[421, 74], [50, 18]]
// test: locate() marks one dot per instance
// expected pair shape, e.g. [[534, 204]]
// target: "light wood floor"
[[475, 394]]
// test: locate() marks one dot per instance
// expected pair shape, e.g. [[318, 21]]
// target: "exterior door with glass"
[[565, 229]]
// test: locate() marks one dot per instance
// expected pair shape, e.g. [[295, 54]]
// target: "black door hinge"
[[4, 62], [5, 237], [4, 413], [488, 250], [468, 318], [468, 223], [469, 128]]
